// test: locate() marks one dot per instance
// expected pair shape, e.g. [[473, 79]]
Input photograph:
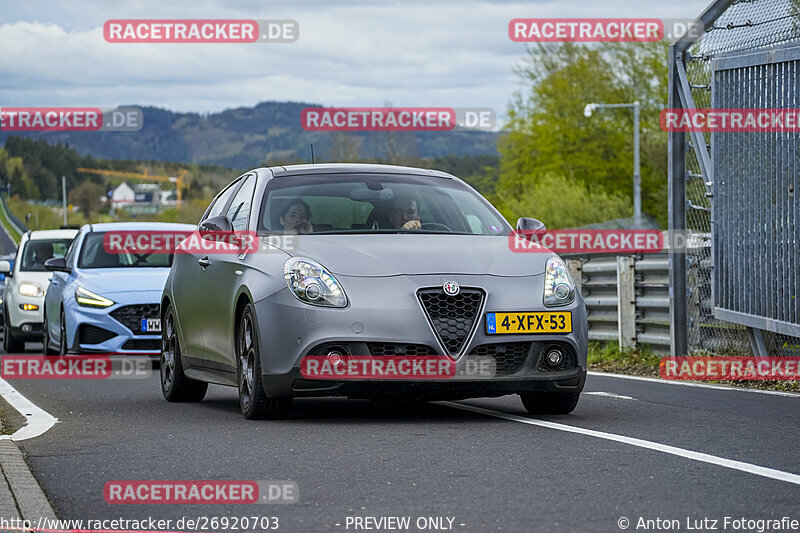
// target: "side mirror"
[[531, 225], [56, 264], [5, 267], [218, 224]]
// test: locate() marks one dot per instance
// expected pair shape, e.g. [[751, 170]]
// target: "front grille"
[[385, 348], [89, 334], [452, 317], [153, 345], [131, 316], [508, 357]]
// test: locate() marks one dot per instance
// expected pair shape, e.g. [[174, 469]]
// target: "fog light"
[[29, 307], [562, 291], [26, 328], [554, 357]]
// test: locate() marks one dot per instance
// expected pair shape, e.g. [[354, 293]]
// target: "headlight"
[[90, 299], [30, 289], [559, 289], [312, 284]]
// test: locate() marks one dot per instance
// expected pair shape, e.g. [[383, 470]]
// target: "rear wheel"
[[11, 344], [175, 386], [253, 400], [550, 403]]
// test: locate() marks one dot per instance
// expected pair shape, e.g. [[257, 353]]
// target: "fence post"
[[626, 301], [575, 268]]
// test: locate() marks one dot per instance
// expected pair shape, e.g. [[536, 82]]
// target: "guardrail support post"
[[626, 302]]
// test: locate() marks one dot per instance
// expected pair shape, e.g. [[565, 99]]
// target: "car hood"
[[412, 254], [115, 280]]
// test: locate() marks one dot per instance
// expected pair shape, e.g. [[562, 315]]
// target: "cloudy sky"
[[452, 53]]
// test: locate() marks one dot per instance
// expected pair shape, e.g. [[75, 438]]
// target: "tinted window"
[[37, 251], [94, 255], [241, 204]]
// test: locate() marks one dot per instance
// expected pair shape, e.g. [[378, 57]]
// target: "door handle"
[[203, 262]]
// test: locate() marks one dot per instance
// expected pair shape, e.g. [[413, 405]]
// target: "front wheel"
[[253, 400], [175, 386], [550, 403], [46, 350], [11, 344]]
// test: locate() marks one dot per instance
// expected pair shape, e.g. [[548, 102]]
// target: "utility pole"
[[637, 176], [64, 196]]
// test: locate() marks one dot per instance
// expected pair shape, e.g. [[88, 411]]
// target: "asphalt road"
[[360, 458]]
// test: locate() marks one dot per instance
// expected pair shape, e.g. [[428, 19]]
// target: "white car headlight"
[[312, 284], [559, 289], [30, 289], [89, 299]]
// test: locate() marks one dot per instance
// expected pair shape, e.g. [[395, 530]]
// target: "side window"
[[219, 204], [240, 207]]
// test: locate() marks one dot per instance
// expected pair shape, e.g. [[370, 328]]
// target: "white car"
[[26, 283]]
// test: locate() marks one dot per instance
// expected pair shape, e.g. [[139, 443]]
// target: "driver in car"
[[295, 217], [405, 214]]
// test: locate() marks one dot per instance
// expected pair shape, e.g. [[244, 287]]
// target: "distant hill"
[[268, 133]]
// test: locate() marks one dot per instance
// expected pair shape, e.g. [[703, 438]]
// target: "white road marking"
[[650, 445], [38, 420], [610, 395], [694, 384]]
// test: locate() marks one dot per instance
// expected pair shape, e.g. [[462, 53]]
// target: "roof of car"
[[52, 234], [363, 168], [139, 226]]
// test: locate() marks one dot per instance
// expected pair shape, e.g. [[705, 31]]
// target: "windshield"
[[336, 204], [37, 251], [94, 255]]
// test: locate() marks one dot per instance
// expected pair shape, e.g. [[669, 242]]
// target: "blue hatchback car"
[[104, 302]]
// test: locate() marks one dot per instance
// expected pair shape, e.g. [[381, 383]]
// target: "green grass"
[[609, 357], [6, 221]]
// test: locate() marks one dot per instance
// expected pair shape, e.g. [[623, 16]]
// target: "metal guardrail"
[[627, 298]]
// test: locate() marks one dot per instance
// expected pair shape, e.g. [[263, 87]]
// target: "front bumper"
[[387, 310], [82, 339]]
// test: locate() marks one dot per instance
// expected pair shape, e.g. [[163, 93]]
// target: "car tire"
[[175, 386], [63, 348], [10, 343], [550, 403], [253, 400], [46, 350]]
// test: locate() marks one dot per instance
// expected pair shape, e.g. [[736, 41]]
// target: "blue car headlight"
[[87, 298], [559, 289], [312, 284]]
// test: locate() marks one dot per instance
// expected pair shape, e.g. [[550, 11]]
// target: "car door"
[[54, 296], [190, 284], [222, 275]]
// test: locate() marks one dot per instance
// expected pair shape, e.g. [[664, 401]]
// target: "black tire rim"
[[169, 347], [247, 354]]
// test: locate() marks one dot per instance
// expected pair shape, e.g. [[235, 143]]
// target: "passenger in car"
[[295, 217], [405, 214]]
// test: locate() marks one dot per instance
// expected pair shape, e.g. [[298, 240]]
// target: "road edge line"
[[693, 384]]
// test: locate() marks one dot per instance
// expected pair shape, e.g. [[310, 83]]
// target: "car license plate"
[[151, 325], [526, 323]]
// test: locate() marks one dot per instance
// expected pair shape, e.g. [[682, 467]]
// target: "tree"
[[88, 197], [551, 146]]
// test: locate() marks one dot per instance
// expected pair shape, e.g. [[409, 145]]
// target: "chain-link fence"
[[731, 28]]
